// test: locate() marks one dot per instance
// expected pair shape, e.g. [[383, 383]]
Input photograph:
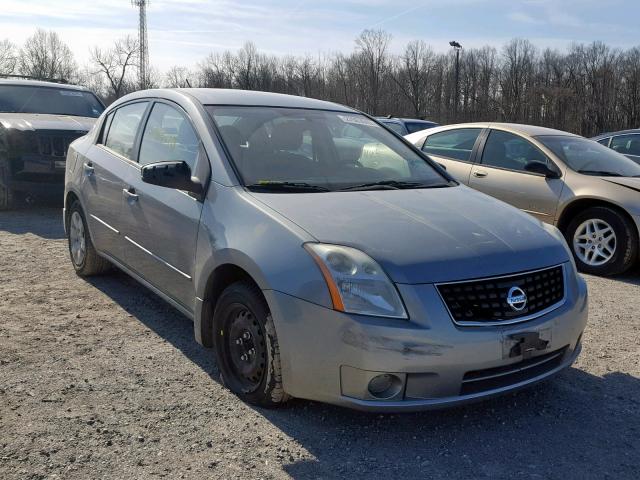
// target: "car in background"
[[626, 142], [380, 285], [405, 126], [590, 192], [38, 121]]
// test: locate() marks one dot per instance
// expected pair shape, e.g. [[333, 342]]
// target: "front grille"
[[55, 144], [479, 381], [479, 302]]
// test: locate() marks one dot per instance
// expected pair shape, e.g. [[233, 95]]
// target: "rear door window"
[[124, 126], [455, 144]]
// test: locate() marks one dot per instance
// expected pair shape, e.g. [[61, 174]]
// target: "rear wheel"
[[246, 346], [84, 257], [603, 241]]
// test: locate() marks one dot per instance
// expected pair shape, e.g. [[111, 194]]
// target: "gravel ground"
[[101, 379]]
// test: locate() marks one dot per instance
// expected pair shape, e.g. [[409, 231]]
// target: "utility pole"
[[457, 47], [143, 66]]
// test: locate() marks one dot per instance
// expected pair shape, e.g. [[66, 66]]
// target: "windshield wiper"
[[275, 186], [602, 173], [386, 185]]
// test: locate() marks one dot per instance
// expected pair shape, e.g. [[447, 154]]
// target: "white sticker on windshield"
[[69, 93], [356, 119]]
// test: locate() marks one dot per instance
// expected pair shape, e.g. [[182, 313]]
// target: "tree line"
[[585, 89]]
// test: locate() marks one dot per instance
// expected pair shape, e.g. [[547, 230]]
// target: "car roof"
[[40, 83], [222, 96], [398, 119], [530, 130], [417, 120], [619, 132]]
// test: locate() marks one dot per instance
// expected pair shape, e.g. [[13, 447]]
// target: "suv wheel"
[[6, 194], [246, 346], [84, 257], [603, 241]]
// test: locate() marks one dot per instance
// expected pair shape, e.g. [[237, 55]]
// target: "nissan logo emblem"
[[517, 299]]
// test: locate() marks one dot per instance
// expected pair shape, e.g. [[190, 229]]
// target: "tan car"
[[590, 192]]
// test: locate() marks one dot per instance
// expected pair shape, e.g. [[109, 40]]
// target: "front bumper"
[[330, 356]]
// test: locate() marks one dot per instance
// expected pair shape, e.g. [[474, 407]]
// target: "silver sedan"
[[318, 253]]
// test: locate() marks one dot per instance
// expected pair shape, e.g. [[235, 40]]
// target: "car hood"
[[41, 121], [629, 182], [425, 235]]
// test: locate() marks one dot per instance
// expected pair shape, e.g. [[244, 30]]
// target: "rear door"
[[106, 166], [455, 149], [500, 173], [162, 223]]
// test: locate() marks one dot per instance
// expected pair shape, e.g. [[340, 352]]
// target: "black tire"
[[626, 244], [242, 309], [91, 263], [7, 197]]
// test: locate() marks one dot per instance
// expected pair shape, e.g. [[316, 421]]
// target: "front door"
[[162, 223], [501, 173]]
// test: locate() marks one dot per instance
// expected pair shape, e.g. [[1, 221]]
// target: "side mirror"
[[541, 169], [175, 175]]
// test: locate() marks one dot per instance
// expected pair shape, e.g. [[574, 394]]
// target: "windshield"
[[589, 157], [49, 100], [317, 150]]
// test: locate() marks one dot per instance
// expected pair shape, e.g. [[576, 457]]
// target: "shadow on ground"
[[43, 221], [576, 426]]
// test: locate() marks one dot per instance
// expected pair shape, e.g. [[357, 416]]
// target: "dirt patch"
[[102, 379]]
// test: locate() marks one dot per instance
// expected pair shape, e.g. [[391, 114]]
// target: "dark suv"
[[38, 121], [405, 126]]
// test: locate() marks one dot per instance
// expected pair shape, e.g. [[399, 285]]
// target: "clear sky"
[[183, 32]]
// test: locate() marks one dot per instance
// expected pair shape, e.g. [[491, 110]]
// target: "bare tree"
[[116, 63], [413, 73], [585, 89], [373, 63], [44, 55], [8, 57], [516, 77], [179, 77]]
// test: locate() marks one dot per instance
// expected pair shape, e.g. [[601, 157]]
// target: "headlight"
[[356, 282]]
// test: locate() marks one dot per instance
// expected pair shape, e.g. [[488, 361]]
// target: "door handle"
[[88, 168], [130, 193], [480, 173]]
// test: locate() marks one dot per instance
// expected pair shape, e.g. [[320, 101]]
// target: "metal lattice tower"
[[143, 68]]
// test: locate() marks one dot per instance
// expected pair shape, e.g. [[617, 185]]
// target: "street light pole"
[[457, 47]]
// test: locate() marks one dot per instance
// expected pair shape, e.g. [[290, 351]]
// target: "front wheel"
[[246, 346], [603, 241]]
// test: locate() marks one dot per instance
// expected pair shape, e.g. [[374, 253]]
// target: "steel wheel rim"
[[594, 242], [77, 243], [246, 348]]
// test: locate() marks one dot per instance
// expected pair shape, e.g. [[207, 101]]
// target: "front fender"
[[236, 229]]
